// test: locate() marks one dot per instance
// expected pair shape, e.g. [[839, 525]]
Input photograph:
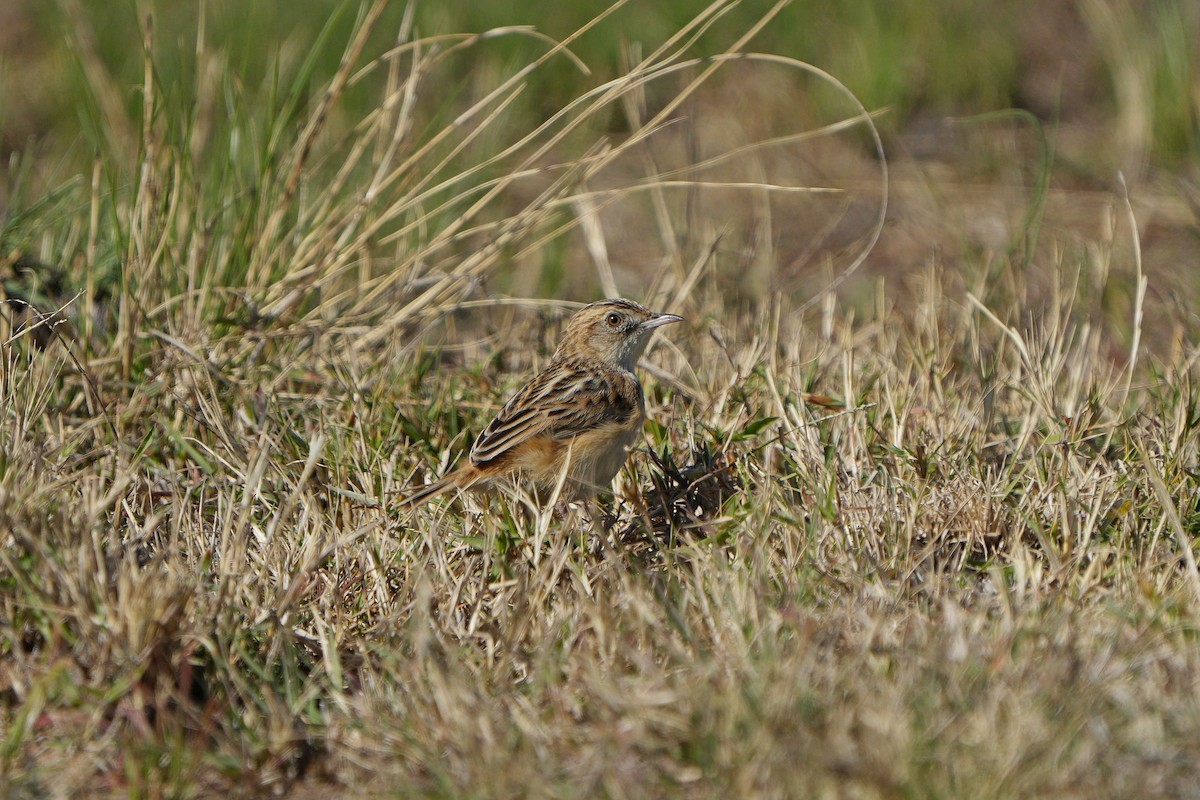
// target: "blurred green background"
[[1124, 71]]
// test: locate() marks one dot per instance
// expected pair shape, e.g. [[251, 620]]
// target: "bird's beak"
[[658, 320]]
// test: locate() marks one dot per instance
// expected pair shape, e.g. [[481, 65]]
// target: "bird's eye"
[[613, 319]]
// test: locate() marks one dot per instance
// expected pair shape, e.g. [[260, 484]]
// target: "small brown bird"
[[579, 415]]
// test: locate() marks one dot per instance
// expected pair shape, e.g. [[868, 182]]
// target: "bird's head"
[[611, 331]]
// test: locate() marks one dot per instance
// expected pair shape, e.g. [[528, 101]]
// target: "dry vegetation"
[[934, 539]]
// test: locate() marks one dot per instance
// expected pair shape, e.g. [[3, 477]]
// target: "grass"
[[931, 536], [1109, 68]]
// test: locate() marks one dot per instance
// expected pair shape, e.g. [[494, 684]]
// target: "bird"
[[578, 416]]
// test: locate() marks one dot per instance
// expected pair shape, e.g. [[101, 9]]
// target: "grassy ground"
[[931, 535]]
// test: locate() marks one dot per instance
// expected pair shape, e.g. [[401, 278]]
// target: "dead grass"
[[931, 541]]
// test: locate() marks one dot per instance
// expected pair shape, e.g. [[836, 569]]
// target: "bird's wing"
[[560, 403]]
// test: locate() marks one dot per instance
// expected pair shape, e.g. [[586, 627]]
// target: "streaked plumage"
[[581, 413]]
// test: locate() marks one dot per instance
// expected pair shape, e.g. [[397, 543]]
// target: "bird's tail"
[[459, 479], [427, 492]]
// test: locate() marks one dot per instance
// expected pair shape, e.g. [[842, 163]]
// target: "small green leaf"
[[754, 428]]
